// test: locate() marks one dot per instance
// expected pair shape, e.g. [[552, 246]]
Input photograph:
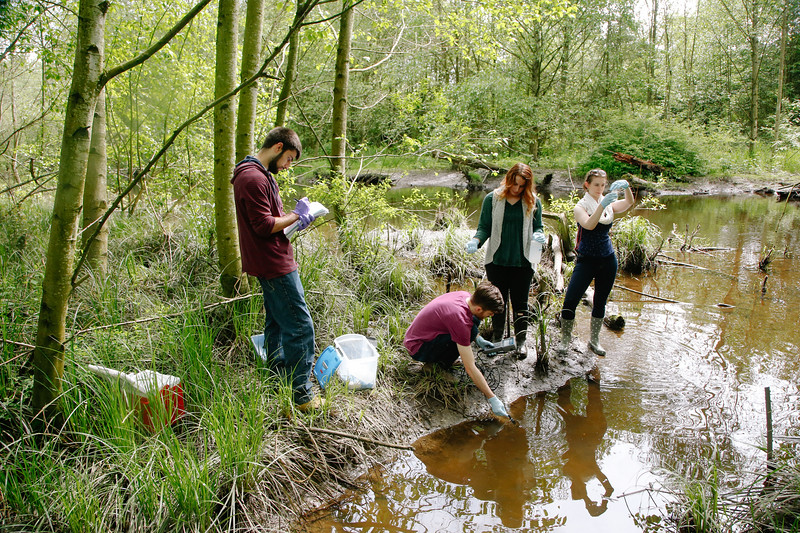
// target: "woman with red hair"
[[511, 222]]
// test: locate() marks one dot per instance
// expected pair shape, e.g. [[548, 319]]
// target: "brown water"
[[682, 383]]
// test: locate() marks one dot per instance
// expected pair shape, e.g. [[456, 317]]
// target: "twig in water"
[[648, 295]]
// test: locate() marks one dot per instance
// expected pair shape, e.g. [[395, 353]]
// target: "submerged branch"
[[689, 265], [648, 295]]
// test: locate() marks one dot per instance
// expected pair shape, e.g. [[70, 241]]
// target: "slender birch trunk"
[[95, 193], [48, 356], [251, 62], [339, 119], [230, 261]]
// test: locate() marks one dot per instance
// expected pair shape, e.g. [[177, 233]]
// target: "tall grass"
[[242, 457], [637, 242]]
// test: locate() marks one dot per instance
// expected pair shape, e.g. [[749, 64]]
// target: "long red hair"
[[528, 195]]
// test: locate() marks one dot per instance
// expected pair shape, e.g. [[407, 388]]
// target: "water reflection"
[[584, 433], [492, 458], [497, 461], [683, 382]]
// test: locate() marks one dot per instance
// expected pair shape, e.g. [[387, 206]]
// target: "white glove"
[[472, 246], [497, 407], [539, 237]]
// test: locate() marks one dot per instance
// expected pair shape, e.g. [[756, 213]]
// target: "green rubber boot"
[[566, 335], [594, 340]]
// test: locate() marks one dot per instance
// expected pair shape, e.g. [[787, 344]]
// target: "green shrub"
[[649, 139], [637, 242]]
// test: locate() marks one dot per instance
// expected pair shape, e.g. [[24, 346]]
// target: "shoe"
[[314, 405], [522, 352], [594, 340]]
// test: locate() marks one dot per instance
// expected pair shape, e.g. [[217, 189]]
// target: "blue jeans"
[[289, 333], [443, 350], [603, 270]]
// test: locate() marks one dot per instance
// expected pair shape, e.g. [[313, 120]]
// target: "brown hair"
[[488, 297], [595, 173], [528, 195], [288, 137]]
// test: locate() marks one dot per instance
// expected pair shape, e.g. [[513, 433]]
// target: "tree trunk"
[[667, 66], [48, 356], [251, 62], [566, 50], [95, 193], [288, 77], [754, 90], [781, 75], [339, 119], [651, 54], [230, 261]]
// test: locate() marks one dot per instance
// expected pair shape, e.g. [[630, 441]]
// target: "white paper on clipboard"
[[315, 208]]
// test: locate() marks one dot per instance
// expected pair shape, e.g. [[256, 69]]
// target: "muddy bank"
[[561, 181]]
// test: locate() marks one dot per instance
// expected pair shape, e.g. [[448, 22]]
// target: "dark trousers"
[[443, 350], [603, 270], [515, 285]]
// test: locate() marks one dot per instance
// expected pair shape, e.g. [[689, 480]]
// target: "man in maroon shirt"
[[445, 329], [267, 255]]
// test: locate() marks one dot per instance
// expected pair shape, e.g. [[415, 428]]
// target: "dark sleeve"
[[259, 207], [485, 222]]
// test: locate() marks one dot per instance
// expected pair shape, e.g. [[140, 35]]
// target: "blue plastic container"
[[327, 363]]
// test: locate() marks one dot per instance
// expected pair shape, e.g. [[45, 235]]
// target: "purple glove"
[[303, 206], [302, 210], [304, 221]]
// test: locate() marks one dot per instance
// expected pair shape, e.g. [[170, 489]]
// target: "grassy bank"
[[240, 458], [237, 460]]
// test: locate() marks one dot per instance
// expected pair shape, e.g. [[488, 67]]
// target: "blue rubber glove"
[[303, 211], [608, 199], [472, 246], [497, 407], [619, 185], [539, 237], [483, 344]]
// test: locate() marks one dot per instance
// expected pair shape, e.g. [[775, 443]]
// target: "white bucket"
[[359, 366]]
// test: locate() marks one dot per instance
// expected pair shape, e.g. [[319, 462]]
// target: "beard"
[[273, 165]]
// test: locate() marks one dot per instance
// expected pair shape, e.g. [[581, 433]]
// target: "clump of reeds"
[[638, 242]]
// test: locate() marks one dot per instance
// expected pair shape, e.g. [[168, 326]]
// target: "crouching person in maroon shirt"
[[444, 330], [267, 255]]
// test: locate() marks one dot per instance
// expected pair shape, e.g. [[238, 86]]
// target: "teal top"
[[510, 252]]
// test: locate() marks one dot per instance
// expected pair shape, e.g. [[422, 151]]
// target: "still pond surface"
[[682, 383]]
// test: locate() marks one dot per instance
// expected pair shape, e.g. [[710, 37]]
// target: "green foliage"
[[637, 242], [565, 205], [646, 138]]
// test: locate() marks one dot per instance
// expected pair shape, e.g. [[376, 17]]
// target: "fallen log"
[[459, 160], [641, 163]]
